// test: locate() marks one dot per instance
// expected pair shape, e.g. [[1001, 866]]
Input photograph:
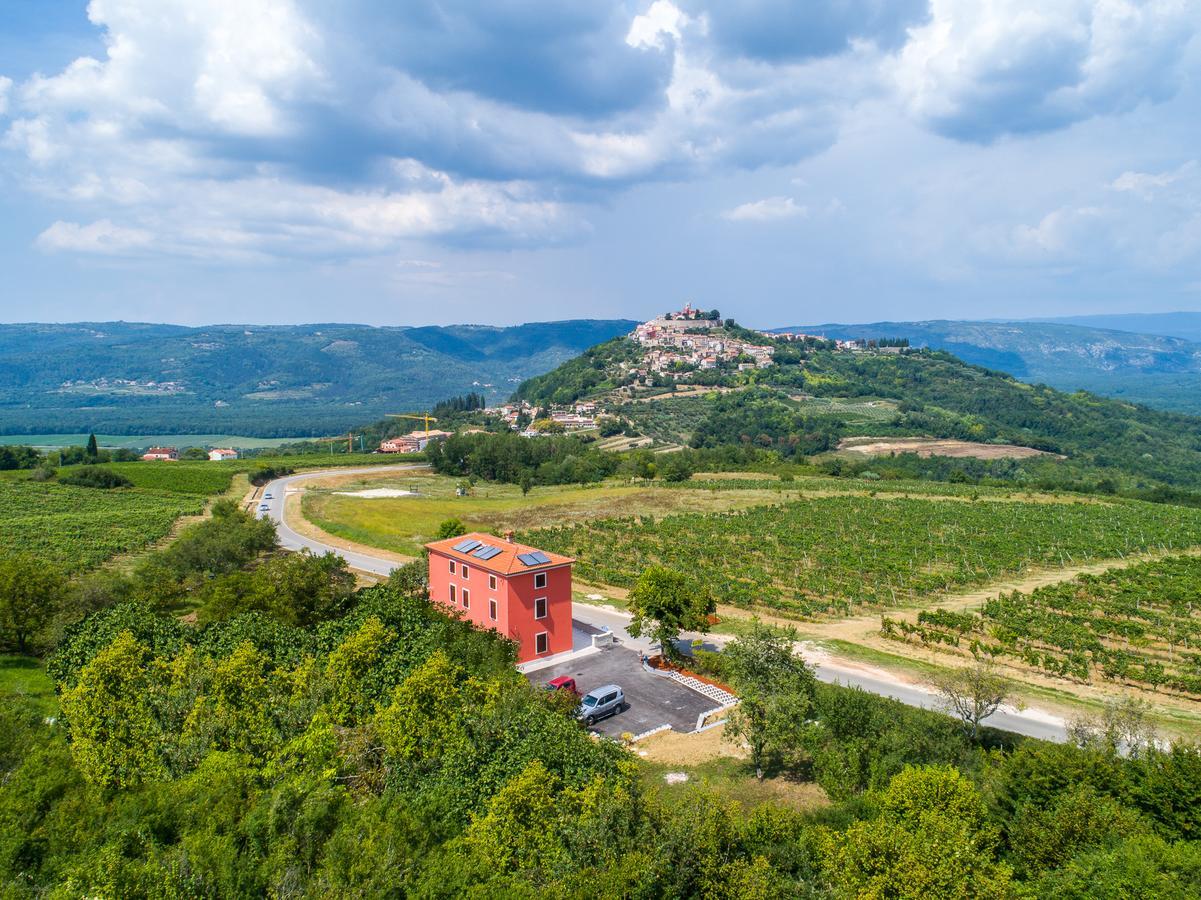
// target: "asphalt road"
[[292, 540], [1031, 722]]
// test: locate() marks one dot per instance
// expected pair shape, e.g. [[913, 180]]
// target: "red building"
[[522, 592], [161, 453]]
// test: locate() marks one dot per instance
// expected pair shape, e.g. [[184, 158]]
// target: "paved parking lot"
[[652, 700]]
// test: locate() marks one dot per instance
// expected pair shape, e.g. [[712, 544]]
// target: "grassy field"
[[403, 524], [24, 676]]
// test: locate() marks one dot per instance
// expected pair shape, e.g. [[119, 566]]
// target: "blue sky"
[[513, 160]]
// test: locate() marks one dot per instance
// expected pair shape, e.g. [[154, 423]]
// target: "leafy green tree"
[[424, 721], [1080, 819], [95, 477], [664, 603], [520, 826], [237, 713], [450, 528], [1142, 865], [31, 592], [294, 588], [930, 840], [411, 579], [973, 693], [353, 672], [775, 689], [675, 468], [115, 739], [92, 449]]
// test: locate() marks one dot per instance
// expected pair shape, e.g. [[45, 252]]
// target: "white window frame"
[[466, 595], [452, 567], [491, 582], [492, 608], [466, 571], [539, 575], [545, 607], [453, 598], [543, 638]]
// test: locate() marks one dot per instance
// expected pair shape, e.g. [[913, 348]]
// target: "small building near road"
[[522, 592], [413, 442], [220, 454], [161, 453]]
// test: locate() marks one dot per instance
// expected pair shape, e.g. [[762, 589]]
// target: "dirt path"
[[860, 628]]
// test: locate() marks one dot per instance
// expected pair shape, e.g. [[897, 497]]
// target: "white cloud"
[[99, 237], [1148, 183], [5, 86], [769, 209], [983, 68], [662, 19]]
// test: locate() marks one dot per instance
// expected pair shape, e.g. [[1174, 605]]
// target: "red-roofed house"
[[161, 453], [522, 592]]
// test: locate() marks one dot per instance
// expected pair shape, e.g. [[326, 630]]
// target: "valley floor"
[[331, 512]]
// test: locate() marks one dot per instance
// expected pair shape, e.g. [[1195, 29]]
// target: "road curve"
[[1030, 722], [275, 494]]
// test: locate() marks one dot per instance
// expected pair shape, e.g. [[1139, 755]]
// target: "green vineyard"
[[1140, 625], [77, 528], [835, 554]]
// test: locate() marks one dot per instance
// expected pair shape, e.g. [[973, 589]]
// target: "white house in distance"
[[220, 454], [161, 453]]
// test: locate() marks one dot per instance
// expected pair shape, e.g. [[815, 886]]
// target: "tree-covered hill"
[[813, 396], [303, 380], [1109, 355]]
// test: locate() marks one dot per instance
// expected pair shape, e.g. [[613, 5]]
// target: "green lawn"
[[403, 524], [24, 676]]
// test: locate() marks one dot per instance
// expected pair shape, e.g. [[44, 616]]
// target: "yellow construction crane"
[[348, 437], [426, 416]]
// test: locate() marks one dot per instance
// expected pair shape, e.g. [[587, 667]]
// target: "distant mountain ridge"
[[273, 380], [1185, 325], [1156, 370]]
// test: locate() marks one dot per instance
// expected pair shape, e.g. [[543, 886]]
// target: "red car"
[[562, 683]]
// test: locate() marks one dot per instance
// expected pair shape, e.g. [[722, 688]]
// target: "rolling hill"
[[303, 380], [812, 397], [1156, 369], [1185, 325]]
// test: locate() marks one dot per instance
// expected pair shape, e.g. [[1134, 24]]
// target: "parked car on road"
[[601, 702], [267, 497], [263, 507], [562, 683]]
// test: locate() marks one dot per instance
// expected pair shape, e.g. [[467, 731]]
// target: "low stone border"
[[649, 732]]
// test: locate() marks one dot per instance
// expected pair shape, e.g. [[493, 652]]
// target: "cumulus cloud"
[[1133, 222], [980, 69], [787, 30], [259, 128], [1147, 184], [101, 237], [769, 209], [511, 113]]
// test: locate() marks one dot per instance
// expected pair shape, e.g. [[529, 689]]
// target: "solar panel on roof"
[[540, 557], [486, 552], [527, 559], [467, 545]]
